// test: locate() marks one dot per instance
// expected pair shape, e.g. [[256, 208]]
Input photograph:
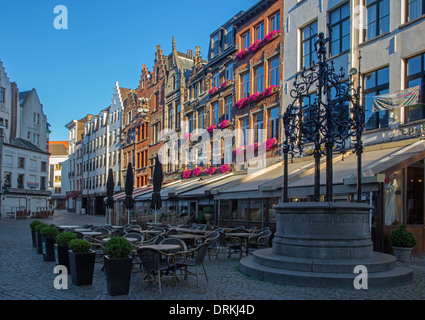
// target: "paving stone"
[[25, 276]]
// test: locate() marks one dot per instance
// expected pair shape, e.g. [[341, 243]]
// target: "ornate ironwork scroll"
[[326, 116]]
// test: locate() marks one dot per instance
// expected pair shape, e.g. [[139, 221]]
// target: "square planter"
[[61, 255], [34, 242], [39, 243], [118, 275], [82, 267], [48, 248]]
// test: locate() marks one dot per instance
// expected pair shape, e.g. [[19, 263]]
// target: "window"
[[246, 40], [216, 45], [309, 115], [309, 37], [245, 128], [414, 9], [378, 18], [21, 163], [170, 116], [2, 94], [190, 122], [7, 179], [20, 181], [273, 123], [201, 121], [376, 83], [259, 79], [339, 20], [229, 72], [216, 114], [275, 22], [178, 114], [36, 138], [216, 80], [259, 32], [229, 36], [228, 109], [258, 128], [36, 118], [415, 76], [274, 72], [245, 85]]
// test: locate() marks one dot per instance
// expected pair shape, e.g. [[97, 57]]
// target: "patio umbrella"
[[157, 184], [129, 185], [110, 193]]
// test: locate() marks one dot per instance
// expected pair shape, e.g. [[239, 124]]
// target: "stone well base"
[[320, 244]]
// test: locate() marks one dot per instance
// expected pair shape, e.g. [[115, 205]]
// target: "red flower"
[[211, 91], [197, 171], [186, 174], [211, 128], [224, 168], [211, 171]]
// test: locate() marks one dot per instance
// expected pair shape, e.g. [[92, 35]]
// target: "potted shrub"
[[118, 265], [33, 236], [402, 242], [208, 211], [81, 262], [48, 235], [62, 248], [38, 241]]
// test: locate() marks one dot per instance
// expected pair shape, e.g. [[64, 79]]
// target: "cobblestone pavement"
[[25, 276]]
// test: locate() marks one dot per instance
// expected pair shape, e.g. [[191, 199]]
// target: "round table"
[[82, 230], [161, 247], [92, 233], [69, 227], [129, 239]]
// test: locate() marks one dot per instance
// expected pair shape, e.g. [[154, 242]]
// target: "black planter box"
[[34, 242], [61, 255], [39, 244], [48, 248], [118, 275], [82, 267]]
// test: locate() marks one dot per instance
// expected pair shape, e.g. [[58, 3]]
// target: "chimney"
[[189, 54]]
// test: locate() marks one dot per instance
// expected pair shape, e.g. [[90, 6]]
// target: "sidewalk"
[[25, 276]]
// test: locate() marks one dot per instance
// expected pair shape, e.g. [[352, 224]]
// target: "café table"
[[190, 239], [194, 231], [69, 227], [161, 247], [243, 236], [92, 233], [128, 238], [82, 230]]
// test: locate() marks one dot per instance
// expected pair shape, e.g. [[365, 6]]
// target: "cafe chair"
[[154, 267], [192, 258], [260, 240], [232, 244], [212, 240]]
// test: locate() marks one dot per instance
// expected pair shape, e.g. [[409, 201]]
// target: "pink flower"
[[239, 150], [241, 103], [211, 128], [270, 90], [186, 174], [211, 171], [224, 124], [270, 143], [254, 97], [255, 46], [241, 54], [213, 90], [197, 171], [187, 136], [253, 147], [224, 168]]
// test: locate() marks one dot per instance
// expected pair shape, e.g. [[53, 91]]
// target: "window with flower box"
[[228, 108], [259, 32], [246, 40], [259, 79], [245, 85], [273, 115], [275, 22]]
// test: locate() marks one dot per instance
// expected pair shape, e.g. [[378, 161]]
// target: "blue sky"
[[74, 70]]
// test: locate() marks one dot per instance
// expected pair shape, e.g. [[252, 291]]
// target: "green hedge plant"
[[80, 246], [34, 224], [118, 247], [400, 237], [63, 239], [40, 226], [49, 232]]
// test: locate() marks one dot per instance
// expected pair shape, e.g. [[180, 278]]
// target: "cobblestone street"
[[25, 276]]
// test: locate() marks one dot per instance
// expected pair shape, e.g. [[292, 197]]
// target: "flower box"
[[197, 171], [224, 168], [213, 90], [211, 128], [224, 124], [239, 151], [257, 44], [187, 174], [270, 143], [211, 171], [256, 97]]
